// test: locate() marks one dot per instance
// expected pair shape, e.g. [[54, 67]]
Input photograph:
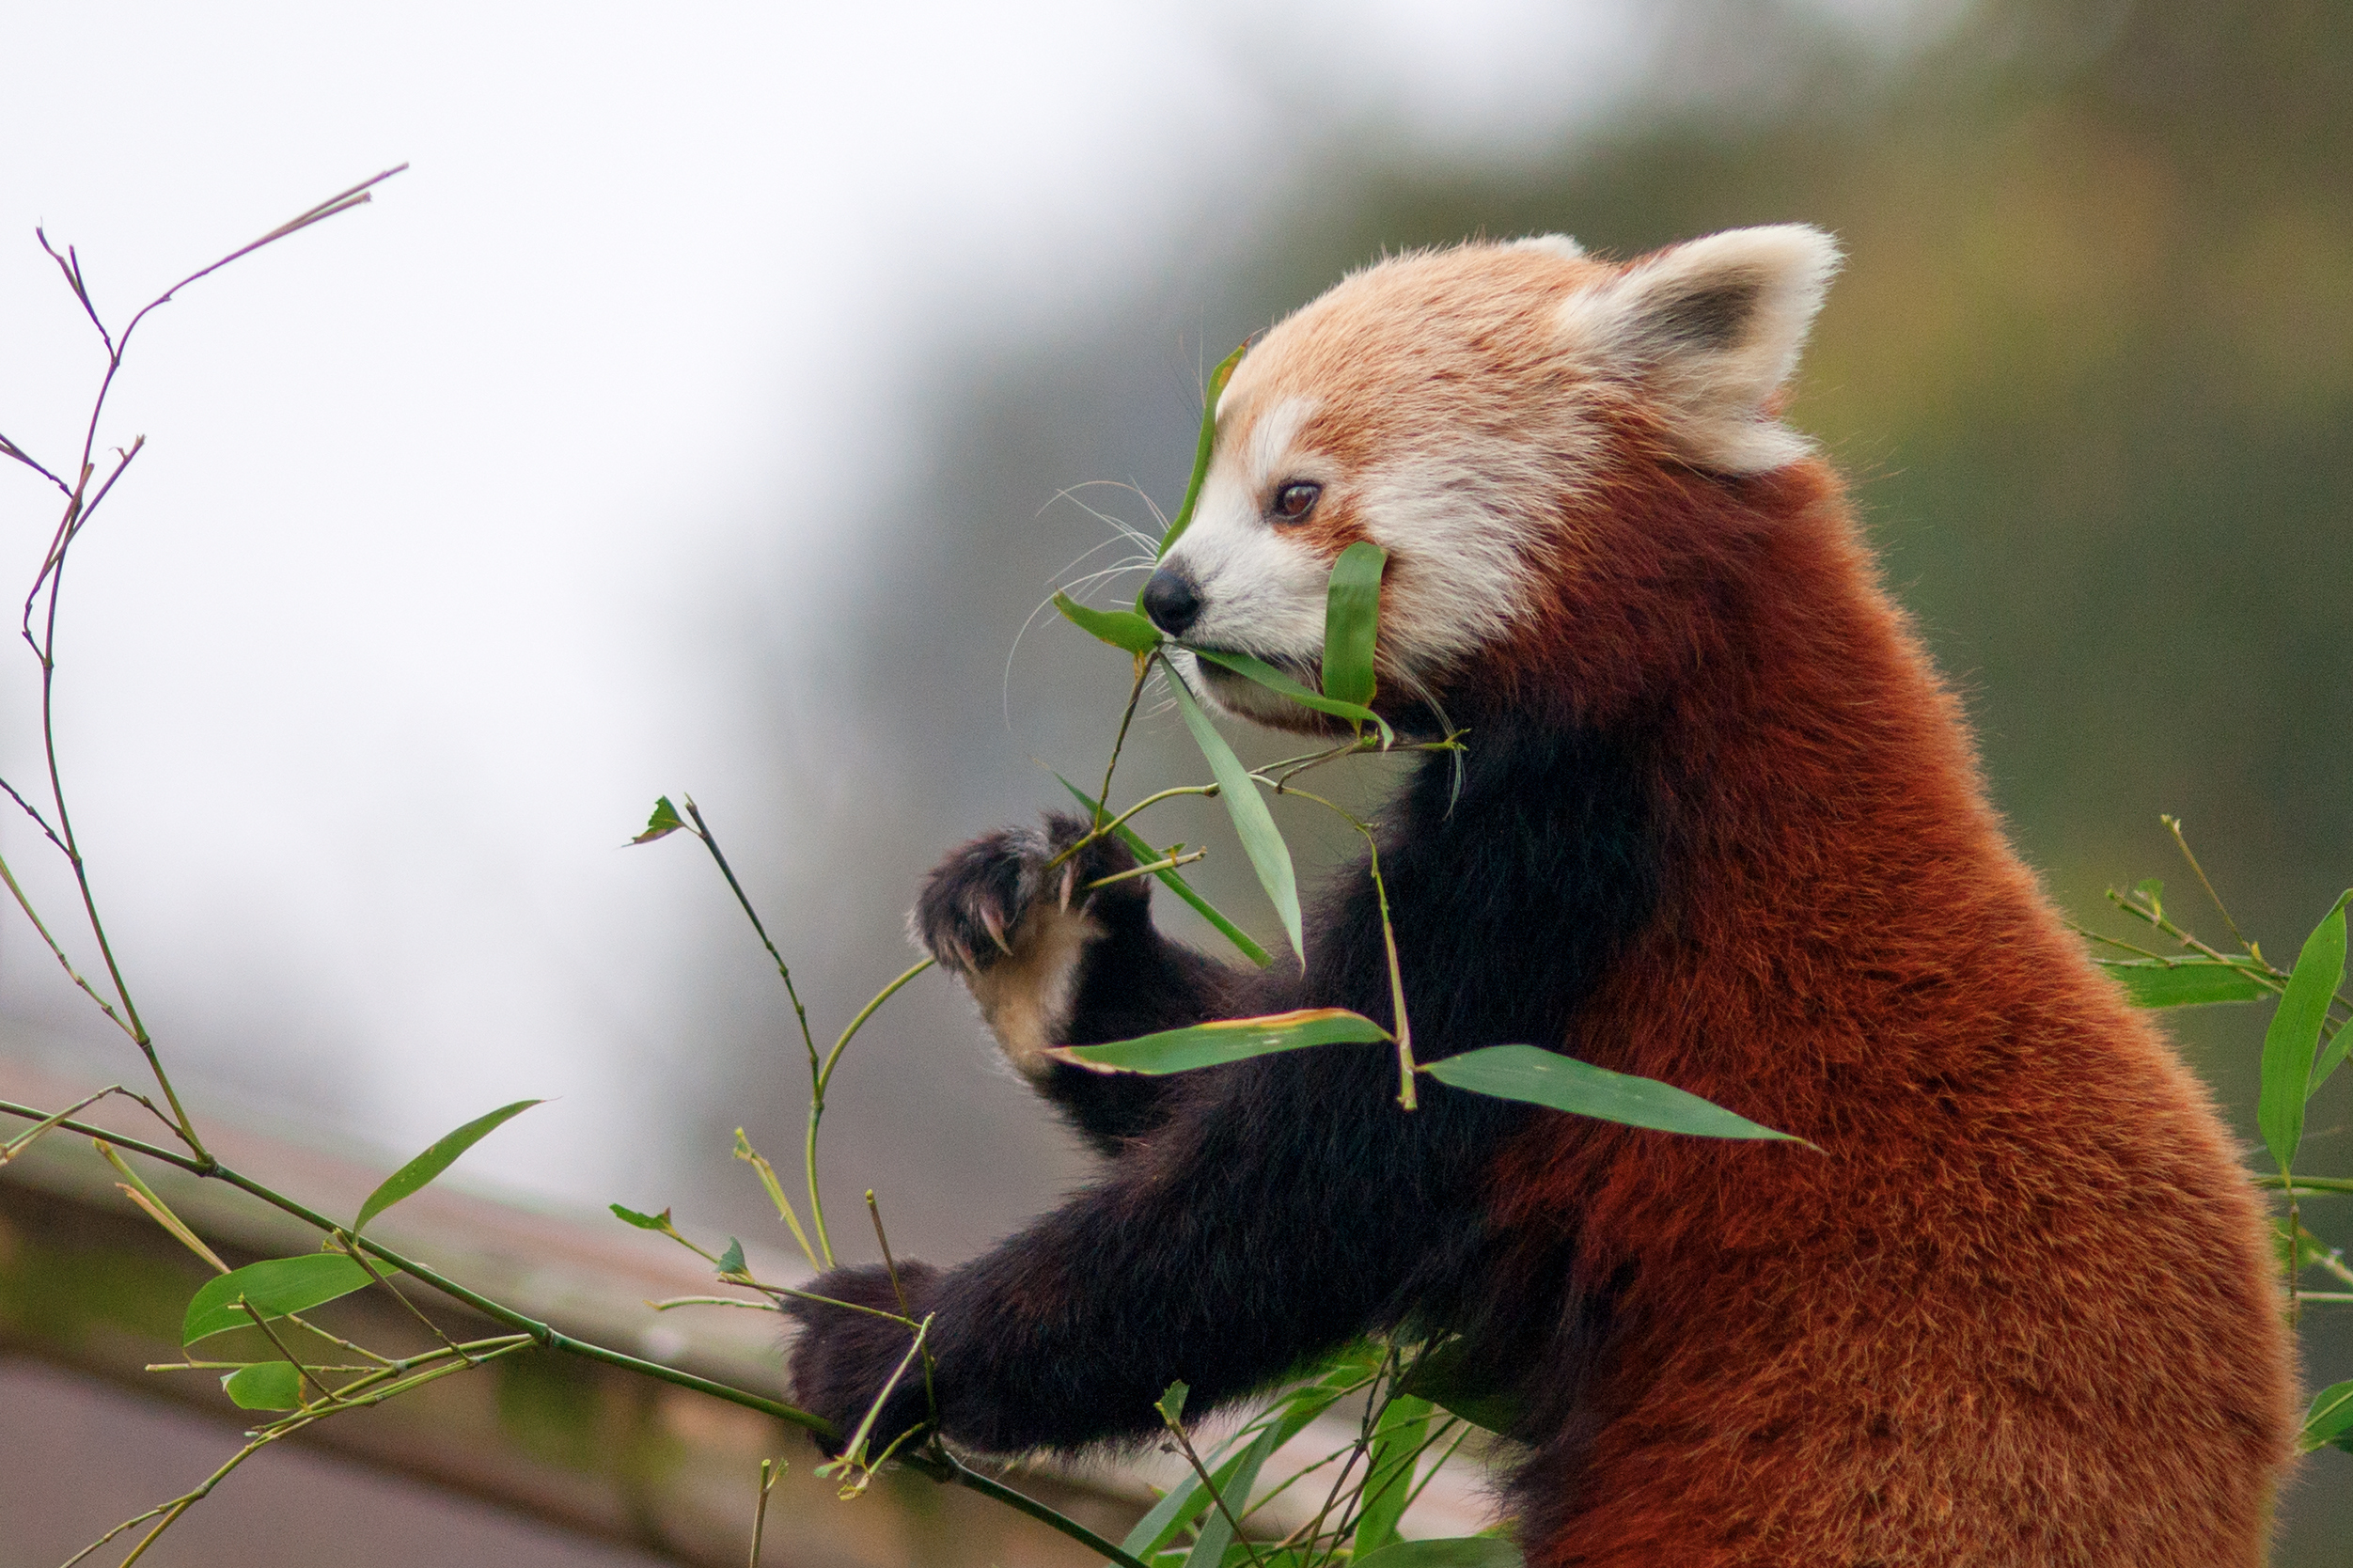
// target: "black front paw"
[[974, 905], [843, 1358]]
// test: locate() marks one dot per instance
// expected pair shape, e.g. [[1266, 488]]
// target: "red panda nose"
[[1172, 601]]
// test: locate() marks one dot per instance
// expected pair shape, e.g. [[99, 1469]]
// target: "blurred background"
[[703, 412]]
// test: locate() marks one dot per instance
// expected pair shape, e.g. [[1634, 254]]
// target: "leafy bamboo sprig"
[[266, 1294], [2304, 1043]]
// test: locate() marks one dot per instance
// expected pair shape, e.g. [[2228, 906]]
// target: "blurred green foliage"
[[551, 1415], [55, 1294]]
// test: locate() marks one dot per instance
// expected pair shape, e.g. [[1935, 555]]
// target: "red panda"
[[1719, 823]]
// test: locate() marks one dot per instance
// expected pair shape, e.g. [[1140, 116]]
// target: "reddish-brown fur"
[[2017, 1309], [2011, 1308]]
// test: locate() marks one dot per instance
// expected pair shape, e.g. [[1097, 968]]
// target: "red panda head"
[[1540, 442]]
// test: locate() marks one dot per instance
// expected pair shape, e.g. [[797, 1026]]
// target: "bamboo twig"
[[2173, 825], [539, 1333], [771, 1470], [1209, 1484], [17, 1145], [84, 497], [1167, 864], [301, 1372]]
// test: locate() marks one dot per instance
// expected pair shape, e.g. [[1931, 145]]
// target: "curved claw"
[[994, 919], [980, 897]]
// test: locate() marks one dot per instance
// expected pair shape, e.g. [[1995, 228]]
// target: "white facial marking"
[[1456, 522], [1458, 509], [1274, 437], [1261, 587]]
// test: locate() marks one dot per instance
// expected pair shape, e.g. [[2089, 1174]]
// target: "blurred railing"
[[88, 1282]]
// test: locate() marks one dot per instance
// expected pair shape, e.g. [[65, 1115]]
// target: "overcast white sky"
[[407, 610]]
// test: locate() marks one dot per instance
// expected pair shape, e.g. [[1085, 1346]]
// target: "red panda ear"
[[1710, 330]]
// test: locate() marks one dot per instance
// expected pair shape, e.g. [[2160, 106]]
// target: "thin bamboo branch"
[[539, 1333]]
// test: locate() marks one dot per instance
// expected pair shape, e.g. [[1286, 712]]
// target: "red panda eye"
[[1294, 501]]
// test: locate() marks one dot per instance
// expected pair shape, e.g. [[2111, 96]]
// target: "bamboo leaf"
[[643, 1222], [1228, 1039], [1175, 882], [273, 1288], [1352, 615], [1160, 1525], [2294, 1035], [2332, 1057], [732, 1260], [1346, 1373], [2329, 1420], [1234, 1486], [1299, 1408], [265, 1386], [1270, 857], [2186, 982], [1444, 1377], [1202, 446], [1544, 1078], [414, 1176], [1389, 1478], [1274, 679], [767, 1173], [1467, 1551], [663, 821], [1119, 627]]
